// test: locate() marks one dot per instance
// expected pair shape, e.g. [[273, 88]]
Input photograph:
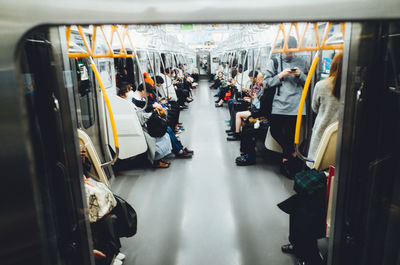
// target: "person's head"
[[220, 74], [125, 71], [253, 74], [335, 73], [240, 68], [292, 44], [260, 78], [141, 89], [124, 89], [159, 81]]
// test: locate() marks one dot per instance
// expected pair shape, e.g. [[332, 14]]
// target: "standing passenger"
[[290, 80]]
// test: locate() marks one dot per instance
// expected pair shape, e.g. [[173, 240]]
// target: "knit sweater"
[[291, 87], [326, 106]]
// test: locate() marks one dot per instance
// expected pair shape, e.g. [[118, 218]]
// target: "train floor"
[[206, 210]]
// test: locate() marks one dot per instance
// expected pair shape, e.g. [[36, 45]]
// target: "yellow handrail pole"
[[110, 113], [326, 33], [68, 35], [94, 38], [110, 51], [303, 98], [80, 29], [280, 28], [316, 34], [303, 36]]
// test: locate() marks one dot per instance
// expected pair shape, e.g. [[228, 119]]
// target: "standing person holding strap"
[[289, 78]]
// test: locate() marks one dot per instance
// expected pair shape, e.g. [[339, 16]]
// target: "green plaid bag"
[[309, 181]]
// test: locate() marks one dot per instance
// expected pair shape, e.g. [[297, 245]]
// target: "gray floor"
[[206, 210]]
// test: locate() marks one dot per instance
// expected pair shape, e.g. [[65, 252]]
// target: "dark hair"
[[253, 73], [123, 89], [159, 80], [149, 87], [335, 73]]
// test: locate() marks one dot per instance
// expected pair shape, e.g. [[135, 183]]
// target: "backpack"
[[156, 125], [269, 93]]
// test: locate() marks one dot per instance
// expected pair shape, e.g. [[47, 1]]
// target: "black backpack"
[[156, 125], [269, 93]]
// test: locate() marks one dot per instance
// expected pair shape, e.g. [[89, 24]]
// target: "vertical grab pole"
[[301, 106], [110, 113]]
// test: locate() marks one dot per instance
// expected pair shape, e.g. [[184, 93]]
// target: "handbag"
[[241, 105], [100, 199], [156, 125], [126, 218]]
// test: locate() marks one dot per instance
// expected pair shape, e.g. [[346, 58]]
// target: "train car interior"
[[192, 141]]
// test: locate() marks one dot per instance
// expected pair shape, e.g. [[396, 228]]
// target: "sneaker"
[[186, 150], [120, 256], [117, 262], [245, 160], [183, 155], [218, 106]]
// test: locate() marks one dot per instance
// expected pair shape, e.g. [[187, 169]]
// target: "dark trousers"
[[249, 138], [282, 129], [182, 94], [173, 114], [232, 113]]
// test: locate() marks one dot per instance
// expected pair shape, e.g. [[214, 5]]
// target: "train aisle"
[[206, 210]]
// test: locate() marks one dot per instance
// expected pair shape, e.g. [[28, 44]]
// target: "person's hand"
[[245, 89], [164, 102], [248, 99], [284, 73], [98, 254], [297, 72], [253, 95]]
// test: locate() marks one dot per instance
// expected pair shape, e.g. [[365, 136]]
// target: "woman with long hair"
[[325, 102]]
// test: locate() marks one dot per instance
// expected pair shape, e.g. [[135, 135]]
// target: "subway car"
[[191, 133]]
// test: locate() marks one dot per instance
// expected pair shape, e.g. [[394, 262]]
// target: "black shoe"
[[216, 101], [186, 150], [218, 106], [184, 155], [228, 131], [245, 161], [288, 249], [231, 133], [235, 137], [239, 157], [216, 96]]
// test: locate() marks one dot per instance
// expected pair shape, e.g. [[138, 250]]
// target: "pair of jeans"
[[176, 144]]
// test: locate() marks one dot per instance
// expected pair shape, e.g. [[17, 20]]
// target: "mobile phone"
[[293, 69]]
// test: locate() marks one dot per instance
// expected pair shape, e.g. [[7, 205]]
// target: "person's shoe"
[[245, 160], [189, 100], [229, 131], [216, 95], [180, 123], [117, 262], [183, 155], [179, 131], [120, 256], [288, 249], [160, 164], [218, 106], [166, 161], [216, 101], [186, 150], [234, 137], [239, 157]]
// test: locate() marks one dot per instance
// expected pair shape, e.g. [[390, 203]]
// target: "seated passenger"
[[160, 147], [228, 89], [325, 102], [255, 92], [242, 101], [217, 80]]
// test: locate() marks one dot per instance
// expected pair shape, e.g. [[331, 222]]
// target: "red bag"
[[228, 96]]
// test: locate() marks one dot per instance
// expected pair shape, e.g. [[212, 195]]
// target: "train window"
[[86, 92]]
